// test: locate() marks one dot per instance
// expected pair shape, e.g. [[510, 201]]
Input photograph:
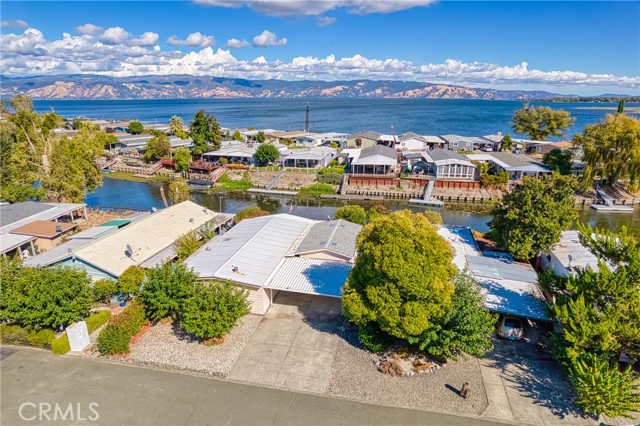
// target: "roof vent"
[[58, 228], [191, 220]]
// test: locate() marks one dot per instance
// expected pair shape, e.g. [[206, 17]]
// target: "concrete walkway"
[[128, 395], [293, 346]]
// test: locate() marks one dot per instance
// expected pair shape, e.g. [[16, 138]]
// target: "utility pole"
[[306, 121]]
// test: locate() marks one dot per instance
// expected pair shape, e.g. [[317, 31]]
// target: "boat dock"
[[272, 192]]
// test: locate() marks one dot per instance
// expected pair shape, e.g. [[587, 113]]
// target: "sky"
[[574, 47]]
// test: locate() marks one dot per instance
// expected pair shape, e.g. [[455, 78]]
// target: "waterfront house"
[[363, 140], [139, 142], [281, 252], [36, 223], [517, 165], [234, 152], [147, 242], [464, 143], [414, 142], [308, 158], [445, 164], [373, 166]]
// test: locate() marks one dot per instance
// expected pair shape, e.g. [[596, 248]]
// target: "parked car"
[[487, 148], [511, 328], [518, 151]]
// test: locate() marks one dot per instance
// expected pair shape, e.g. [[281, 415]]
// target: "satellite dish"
[[128, 251]]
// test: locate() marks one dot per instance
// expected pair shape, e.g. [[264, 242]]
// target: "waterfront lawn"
[[124, 176], [317, 189]]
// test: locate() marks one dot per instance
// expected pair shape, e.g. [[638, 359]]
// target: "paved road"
[[134, 395]]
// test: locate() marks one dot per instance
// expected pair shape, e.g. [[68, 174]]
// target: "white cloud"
[[146, 39], [19, 23], [234, 43], [325, 21], [115, 35], [30, 53], [194, 40], [267, 39], [284, 8], [89, 29]]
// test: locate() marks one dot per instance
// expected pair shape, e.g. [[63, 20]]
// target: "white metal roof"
[[311, 276], [146, 237], [9, 242], [93, 233], [571, 253], [375, 160], [250, 251], [462, 241], [54, 211], [57, 253], [512, 297]]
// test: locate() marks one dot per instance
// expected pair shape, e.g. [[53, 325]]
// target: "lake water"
[[424, 116], [141, 195]]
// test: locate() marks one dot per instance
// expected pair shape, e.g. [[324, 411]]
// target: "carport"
[[510, 288]]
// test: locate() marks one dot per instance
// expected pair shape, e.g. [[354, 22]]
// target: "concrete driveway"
[[294, 344]]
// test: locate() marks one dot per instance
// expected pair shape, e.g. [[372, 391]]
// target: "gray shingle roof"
[[11, 213], [338, 236], [379, 150], [440, 154], [368, 135]]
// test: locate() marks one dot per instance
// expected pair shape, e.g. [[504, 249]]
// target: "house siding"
[[94, 273]]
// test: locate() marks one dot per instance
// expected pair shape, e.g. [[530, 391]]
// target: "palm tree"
[[176, 125]]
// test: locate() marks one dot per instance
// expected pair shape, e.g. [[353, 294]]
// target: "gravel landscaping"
[[354, 376], [166, 346]]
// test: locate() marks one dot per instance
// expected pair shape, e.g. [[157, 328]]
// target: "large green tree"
[[531, 218], [182, 156], [260, 136], [205, 131], [506, 144], [136, 127], [559, 160], [541, 122], [157, 147], [37, 163], [402, 279], [38, 298], [213, 309], [611, 150], [266, 153]]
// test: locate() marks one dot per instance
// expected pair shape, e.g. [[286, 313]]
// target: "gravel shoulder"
[[166, 346], [354, 376]]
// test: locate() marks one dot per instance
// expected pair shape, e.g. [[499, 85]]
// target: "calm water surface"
[[119, 193], [425, 116]]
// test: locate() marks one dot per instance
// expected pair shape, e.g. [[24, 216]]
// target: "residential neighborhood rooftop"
[[337, 236]]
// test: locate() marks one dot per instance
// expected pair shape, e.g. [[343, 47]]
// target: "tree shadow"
[[530, 370], [452, 389]]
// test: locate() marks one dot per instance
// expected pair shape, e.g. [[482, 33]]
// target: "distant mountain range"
[[188, 86]]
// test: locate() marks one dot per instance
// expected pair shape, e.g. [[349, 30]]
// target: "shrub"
[[495, 181], [113, 340], [131, 279], [372, 338], [103, 289], [187, 244], [60, 346], [95, 320], [317, 189], [434, 217], [330, 178], [332, 170], [165, 289], [38, 298], [213, 309], [42, 339], [13, 335], [249, 213], [131, 319], [352, 213]]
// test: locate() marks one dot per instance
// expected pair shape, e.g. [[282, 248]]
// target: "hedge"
[[114, 338], [16, 335], [95, 320], [61, 345]]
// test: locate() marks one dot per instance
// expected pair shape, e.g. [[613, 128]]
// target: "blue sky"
[[583, 47]]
